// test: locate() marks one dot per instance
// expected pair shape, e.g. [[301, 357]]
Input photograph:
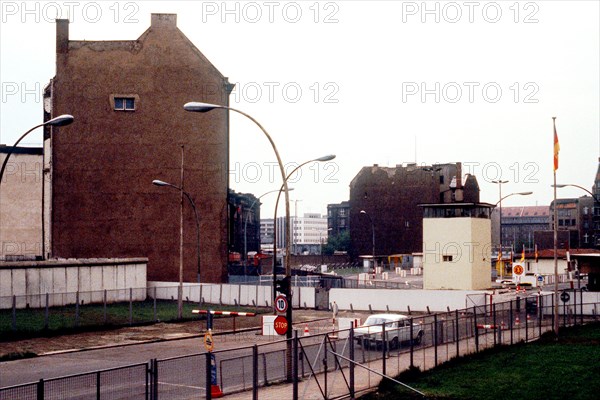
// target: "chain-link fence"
[[326, 364], [32, 315]]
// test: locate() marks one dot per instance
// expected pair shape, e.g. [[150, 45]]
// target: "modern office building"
[[309, 232]]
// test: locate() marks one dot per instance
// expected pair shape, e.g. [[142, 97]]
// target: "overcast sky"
[[386, 83]]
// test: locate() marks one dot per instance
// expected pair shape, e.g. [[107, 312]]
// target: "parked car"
[[397, 331]]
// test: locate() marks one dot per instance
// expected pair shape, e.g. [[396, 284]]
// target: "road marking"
[[184, 386]]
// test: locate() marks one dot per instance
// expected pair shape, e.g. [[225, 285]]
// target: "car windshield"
[[378, 321]]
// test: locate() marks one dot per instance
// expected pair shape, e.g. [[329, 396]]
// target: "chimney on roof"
[[62, 36], [163, 20]]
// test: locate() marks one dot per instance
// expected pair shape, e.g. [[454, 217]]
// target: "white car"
[[397, 330]]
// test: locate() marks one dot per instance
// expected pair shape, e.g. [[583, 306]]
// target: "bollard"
[[14, 313], [130, 306], [154, 305], [46, 312], [76, 308]]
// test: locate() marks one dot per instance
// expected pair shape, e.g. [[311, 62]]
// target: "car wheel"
[[419, 338], [394, 344]]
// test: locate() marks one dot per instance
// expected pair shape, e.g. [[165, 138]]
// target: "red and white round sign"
[[281, 325], [518, 269], [281, 304]]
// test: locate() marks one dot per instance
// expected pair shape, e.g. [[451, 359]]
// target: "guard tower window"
[[124, 104]]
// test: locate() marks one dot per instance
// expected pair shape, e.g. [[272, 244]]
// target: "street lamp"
[[500, 215], [321, 242], [560, 186], [373, 238], [596, 200], [499, 183], [180, 188], [289, 231], [61, 120], [248, 217], [197, 218], [206, 107]]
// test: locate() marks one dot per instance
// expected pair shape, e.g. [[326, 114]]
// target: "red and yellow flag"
[[556, 148]]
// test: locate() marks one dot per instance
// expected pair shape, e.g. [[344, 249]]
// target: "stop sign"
[[281, 325]]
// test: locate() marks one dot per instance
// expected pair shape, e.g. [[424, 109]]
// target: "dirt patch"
[[138, 334]]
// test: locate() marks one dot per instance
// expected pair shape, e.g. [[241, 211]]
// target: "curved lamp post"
[[206, 107], [596, 200], [373, 238], [499, 183], [289, 228], [191, 201], [555, 228], [61, 120], [559, 186], [248, 217]]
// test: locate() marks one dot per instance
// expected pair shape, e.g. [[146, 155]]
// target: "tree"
[[339, 242]]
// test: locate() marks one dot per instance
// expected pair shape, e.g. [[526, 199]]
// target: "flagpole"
[[556, 322]]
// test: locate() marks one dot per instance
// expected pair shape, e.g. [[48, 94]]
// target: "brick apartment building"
[[519, 226], [127, 98], [391, 197], [338, 218]]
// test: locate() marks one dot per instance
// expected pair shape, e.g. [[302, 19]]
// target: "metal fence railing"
[[32, 315], [129, 382], [329, 364]]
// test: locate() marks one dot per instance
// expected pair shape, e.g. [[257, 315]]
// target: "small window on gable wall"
[[124, 103], [447, 258]]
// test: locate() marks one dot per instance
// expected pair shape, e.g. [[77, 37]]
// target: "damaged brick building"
[[391, 197]]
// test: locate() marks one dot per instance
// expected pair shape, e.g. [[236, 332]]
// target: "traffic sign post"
[[565, 297], [209, 344]]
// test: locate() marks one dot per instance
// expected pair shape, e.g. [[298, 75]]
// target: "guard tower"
[[456, 246]]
